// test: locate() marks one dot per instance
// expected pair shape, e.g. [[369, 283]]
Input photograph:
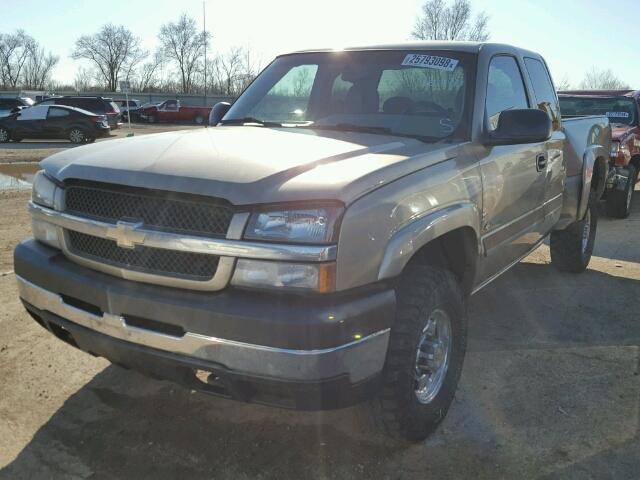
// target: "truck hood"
[[251, 165], [618, 133]]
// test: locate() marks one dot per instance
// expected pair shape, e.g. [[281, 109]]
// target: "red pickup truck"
[[622, 107], [172, 111]]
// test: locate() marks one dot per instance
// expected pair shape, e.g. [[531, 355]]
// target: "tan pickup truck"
[[317, 247]]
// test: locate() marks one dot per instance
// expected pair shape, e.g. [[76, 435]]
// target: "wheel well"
[[455, 251], [599, 178]]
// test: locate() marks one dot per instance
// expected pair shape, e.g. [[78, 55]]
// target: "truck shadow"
[[550, 381]]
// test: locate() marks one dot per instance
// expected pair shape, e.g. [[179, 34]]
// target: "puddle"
[[17, 175]]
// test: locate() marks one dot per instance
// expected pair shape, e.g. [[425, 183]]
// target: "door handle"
[[541, 162]]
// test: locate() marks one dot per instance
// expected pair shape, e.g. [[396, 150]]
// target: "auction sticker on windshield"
[[430, 61], [617, 114]]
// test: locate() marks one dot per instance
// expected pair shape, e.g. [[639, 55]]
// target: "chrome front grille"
[[162, 210], [156, 261]]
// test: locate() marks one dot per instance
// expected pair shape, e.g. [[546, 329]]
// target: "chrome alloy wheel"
[[4, 135], [432, 356], [586, 230], [76, 136]]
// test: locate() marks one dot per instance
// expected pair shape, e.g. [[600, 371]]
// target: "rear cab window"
[[505, 88], [545, 93]]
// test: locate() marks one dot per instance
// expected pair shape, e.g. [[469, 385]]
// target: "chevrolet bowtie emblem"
[[126, 234]]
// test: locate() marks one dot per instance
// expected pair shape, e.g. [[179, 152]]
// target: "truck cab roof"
[[466, 47]]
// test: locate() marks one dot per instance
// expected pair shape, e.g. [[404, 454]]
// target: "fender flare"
[[406, 241], [591, 156]]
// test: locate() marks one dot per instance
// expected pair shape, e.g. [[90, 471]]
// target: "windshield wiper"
[[350, 127], [245, 120]]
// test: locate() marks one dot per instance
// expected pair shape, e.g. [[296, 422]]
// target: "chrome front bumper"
[[359, 359]]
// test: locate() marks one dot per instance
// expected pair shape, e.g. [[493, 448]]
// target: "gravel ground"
[[550, 389]]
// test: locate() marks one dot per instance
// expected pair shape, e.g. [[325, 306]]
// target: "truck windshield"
[[620, 110], [422, 94]]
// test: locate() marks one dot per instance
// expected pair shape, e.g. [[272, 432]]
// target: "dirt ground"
[[550, 389]]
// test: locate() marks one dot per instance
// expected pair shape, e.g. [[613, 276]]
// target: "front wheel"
[[619, 201], [571, 248], [5, 136], [425, 354], [77, 136]]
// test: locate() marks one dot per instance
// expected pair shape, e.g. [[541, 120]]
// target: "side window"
[[171, 105], [288, 99], [56, 112], [505, 89], [90, 105], [546, 97]]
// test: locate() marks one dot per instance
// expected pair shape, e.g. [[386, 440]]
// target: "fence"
[[186, 100]]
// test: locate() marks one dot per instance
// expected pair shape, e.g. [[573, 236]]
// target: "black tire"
[[5, 135], [618, 203], [396, 410], [78, 135], [568, 251], [17, 140]]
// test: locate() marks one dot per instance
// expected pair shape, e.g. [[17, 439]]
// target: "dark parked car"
[[132, 108], [9, 105], [97, 105], [49, 121]]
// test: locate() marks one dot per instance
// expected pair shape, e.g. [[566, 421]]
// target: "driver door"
[[513, 182]]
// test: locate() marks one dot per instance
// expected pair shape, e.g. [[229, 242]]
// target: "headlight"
[[43, 191], [313, 225], [319, 277], [45, 232], [615, 147]]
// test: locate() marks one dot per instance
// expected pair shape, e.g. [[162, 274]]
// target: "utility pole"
[[204, 39]]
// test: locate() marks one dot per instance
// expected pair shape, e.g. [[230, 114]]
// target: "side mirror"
[[218, 111], [520, 126]]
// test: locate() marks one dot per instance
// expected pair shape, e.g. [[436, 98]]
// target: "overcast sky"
[[573, 35]]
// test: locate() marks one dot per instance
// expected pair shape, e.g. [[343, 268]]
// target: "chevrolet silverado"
[[317, 247]]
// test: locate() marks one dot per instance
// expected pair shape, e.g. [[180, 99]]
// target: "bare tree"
[[113, 51], [14, 53], [597, 79], [184, 44], [443, 21], [563, 84], [147, 74], [231, 65], [84, 79], [39, 66]]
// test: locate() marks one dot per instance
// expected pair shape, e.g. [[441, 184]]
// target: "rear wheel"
[[151, 119], [619, 201], [5, 136], [571, 248], [425, 354], [77, 135], [199, 119]]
